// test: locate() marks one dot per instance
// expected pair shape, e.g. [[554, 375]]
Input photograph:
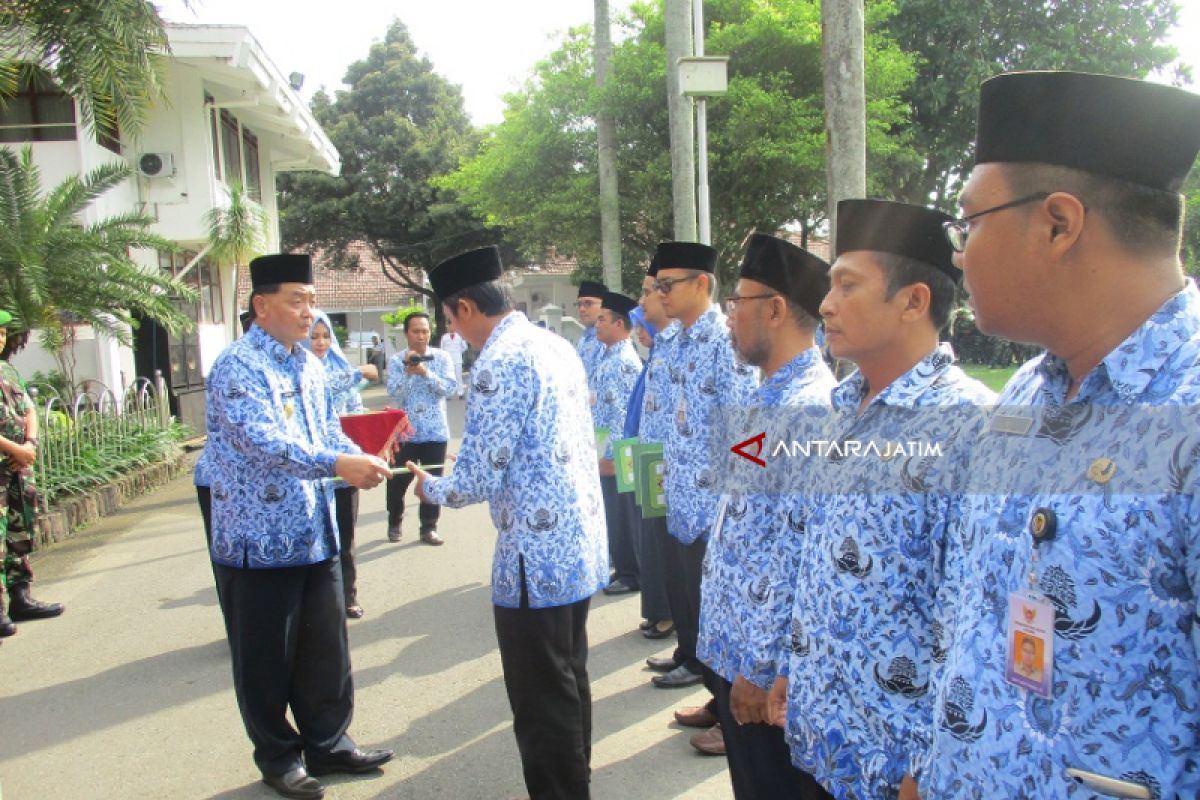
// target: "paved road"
[[128, 695]]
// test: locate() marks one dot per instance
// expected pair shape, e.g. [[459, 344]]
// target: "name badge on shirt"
[[681, 413], [1029, 659]]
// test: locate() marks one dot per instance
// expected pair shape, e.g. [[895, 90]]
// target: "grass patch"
[[992, 377]]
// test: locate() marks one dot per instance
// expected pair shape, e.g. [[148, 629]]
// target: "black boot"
[[22, 607], [6, 625]]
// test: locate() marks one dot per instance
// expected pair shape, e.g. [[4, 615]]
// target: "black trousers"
[[204, 498], [346, 508], [420, 453], [760, 764], [287, 639], [684, 567], [544, 655], [655, 605], [622, 534]]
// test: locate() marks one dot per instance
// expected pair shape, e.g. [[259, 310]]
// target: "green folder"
[[623, 460], [648, 459], [602, 437]]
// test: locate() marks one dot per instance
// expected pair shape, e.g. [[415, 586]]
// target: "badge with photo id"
[[1029, 654]]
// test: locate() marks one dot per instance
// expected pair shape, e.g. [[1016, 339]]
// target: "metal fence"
[[95, 436]]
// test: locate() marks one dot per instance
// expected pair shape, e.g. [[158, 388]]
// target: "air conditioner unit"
[[156, 165]]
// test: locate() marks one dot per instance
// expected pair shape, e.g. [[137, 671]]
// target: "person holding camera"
[[419, 379]]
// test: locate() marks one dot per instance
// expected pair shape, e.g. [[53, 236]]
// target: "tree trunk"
[[606, 139], [845, 104], [678, 23]]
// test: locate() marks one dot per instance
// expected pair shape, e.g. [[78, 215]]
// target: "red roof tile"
[[338, 289]]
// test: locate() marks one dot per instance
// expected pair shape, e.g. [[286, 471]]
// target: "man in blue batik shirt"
[[1070, 240], [875, 580], [529, 451], [419, 379], [751, 562], [273, 437], [609, 387], [587, 306], [708, 376]]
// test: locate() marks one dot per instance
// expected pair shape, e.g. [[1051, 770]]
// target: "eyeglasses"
[[665, 285], [732, 302], [957, 230]]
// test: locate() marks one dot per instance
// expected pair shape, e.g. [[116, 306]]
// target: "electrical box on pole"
[[704, 76]]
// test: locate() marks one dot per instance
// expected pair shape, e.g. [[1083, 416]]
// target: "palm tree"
[[108, 55], [55, 270], [237, 232]]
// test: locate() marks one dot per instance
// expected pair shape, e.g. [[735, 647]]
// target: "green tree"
[[535, 173], [54, 269], [1190, 251], [397, 126], [960, 43], [108, 55], [236, 232]]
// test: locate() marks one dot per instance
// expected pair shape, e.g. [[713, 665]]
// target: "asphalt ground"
[[128, 694]]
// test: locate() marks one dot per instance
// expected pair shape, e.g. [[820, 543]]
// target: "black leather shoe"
[[296, 783], [393, 531], [659, 664], [22, 607], [6, 625], [677, 678], [659, 630], [353, 761]]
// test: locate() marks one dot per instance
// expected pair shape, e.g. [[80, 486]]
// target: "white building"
[[228, 114]]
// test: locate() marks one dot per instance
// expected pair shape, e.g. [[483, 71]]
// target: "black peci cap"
[[465, 270], [281, 268], [686, 255], [618, 303], [591, 289], [790, 270], [885, 226], [1143, 133]]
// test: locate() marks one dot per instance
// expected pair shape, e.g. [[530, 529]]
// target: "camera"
[[414, 359]]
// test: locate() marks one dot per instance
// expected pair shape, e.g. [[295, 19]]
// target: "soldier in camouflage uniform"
[[18, 498]]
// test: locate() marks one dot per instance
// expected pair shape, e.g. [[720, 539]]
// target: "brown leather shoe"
[[711, 742], [696, 717]]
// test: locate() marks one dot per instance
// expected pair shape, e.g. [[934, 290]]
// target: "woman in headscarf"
[[344, 381]]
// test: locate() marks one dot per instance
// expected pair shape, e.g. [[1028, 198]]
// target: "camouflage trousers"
[[18, 507]]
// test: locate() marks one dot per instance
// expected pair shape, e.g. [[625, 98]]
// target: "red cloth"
[[380, 432]]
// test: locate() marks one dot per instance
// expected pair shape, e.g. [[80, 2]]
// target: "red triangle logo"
[[741, 449]]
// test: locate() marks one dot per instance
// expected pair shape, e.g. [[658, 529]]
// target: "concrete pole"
[[606, 140], [702, 211], [845, 103], [678, 22]]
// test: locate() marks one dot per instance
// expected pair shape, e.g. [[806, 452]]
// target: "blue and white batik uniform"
[[872, 595], [1122, 574], [752, 557], [423, 397], [273, 434], [706, 376], [589, 349], [610, 386], [658, 401], [529, 450]]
